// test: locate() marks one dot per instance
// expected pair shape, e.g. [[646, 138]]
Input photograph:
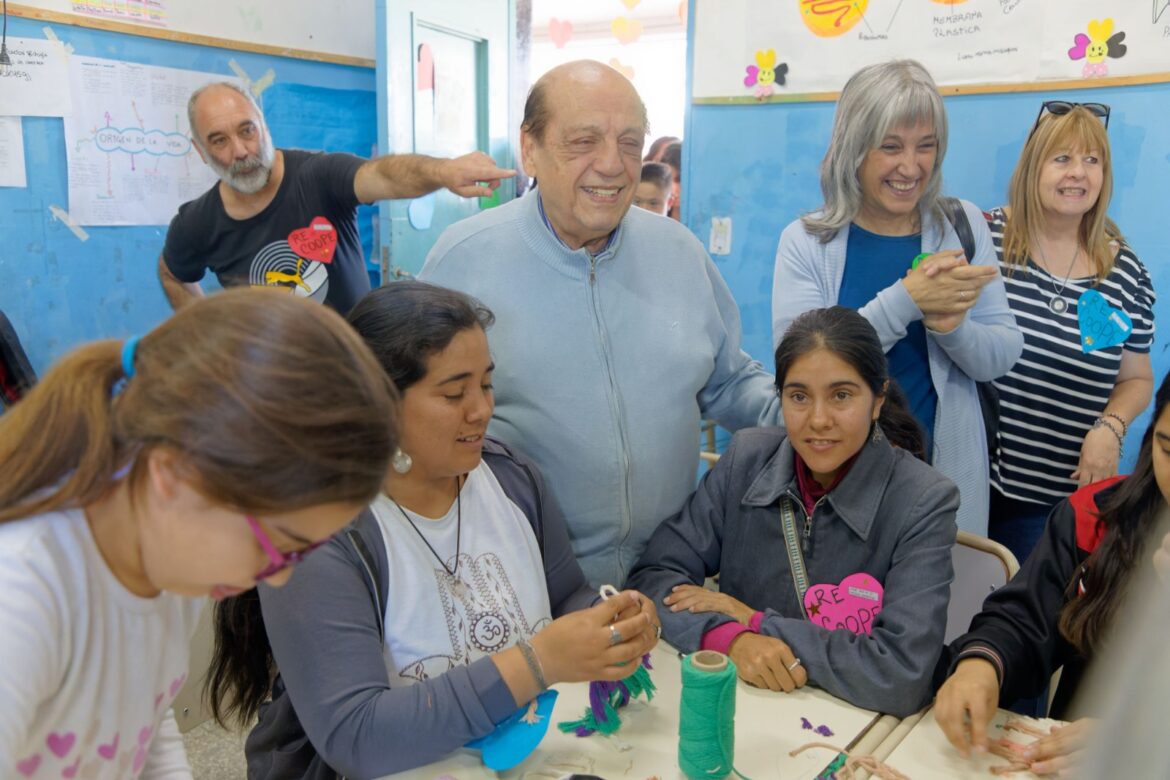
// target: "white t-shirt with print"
[[435, 622], [88, 670]]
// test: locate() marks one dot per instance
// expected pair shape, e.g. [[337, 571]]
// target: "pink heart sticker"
[[60, 744], [29, 766], [110, 750], [559, 32], [1080, 47], [317, 242], [70, 772], [177, 685], [854, 604]]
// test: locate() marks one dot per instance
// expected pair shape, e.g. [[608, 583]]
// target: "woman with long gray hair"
[[887, 244]]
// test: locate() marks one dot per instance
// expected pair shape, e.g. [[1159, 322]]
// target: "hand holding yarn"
[[767, 662], [578, 647], [1061, 750], [966, 704], [694, 598]]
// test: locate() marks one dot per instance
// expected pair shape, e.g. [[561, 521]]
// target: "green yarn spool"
[[706, 719]]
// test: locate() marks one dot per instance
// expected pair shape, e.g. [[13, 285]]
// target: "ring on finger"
[[615, 636], [793, 665]]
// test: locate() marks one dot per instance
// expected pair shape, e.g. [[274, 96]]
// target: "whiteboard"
[[819, 43], [342, 27]]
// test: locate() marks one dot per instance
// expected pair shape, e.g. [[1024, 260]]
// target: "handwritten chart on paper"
[[820, 43], [12, 173], [152, 12], [128, 148], [36, 83]]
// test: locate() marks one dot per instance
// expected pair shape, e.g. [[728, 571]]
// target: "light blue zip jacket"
[[986, 345], [605, 365]]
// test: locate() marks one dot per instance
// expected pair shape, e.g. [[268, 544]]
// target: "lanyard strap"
[[795, 555]]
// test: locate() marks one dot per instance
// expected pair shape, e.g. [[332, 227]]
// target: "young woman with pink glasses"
[[138, 477]]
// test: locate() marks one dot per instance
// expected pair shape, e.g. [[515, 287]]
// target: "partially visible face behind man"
[[233, 139], [651, 197], [588, 162]]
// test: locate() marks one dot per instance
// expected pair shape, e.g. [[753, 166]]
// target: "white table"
[[921, 750], [767, 727]]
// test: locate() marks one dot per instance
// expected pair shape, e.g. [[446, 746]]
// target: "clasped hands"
[[762, 661], [945, 286]]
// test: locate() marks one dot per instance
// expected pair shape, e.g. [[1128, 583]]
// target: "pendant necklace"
[[460, 587], [1057, 304]]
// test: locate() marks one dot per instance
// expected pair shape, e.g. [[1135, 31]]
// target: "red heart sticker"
[[317, 242], [852, 605]]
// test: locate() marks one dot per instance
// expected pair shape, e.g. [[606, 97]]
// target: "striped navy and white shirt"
[[1054, 393]]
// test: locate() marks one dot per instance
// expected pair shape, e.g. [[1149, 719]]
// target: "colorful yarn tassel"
[[606, 698]]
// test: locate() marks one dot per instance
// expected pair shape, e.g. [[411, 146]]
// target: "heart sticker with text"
[[854, 604], [1102, 326], [317, 242]]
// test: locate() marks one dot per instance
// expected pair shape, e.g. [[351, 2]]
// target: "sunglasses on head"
[[1062, 107]]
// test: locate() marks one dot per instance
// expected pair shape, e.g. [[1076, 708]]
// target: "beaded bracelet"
[[1101, 422], [533, 662], [1120, 419]]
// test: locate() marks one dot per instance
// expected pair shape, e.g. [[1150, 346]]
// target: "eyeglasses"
[[1062, 107], [279, 560]]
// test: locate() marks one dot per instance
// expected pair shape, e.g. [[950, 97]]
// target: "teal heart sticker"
[[1102, 326], [517, 735]]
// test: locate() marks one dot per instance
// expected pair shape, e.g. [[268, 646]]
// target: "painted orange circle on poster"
[[829, 18]]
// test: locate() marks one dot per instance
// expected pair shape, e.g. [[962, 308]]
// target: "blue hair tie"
[[129, 348]]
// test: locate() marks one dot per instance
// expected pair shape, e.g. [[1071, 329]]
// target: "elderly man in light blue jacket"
[[614, 334]]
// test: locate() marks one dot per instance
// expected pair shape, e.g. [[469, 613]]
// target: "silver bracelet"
[[1120, 419], [1101, 422], [533, 662]]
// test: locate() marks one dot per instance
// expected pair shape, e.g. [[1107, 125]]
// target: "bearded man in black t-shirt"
[[288, 218]]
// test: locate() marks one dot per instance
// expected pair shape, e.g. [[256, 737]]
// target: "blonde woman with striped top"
[[1084, 303]]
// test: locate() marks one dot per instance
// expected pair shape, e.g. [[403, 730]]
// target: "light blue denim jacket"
[[891, 517], [985, 346]]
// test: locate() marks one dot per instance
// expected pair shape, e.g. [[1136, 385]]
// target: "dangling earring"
[[877, 432], [401, 461]]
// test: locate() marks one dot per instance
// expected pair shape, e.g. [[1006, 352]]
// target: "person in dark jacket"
[[1061, 606], [856, 604], [456, 598]]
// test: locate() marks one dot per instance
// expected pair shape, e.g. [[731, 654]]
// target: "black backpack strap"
[[952, 209]]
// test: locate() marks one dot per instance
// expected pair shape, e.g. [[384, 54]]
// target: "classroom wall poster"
[[763, 48], [37, 82], [128, 147], [152, 12], [12, 172]]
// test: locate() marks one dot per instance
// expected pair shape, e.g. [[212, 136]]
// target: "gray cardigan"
[[985, 346], [891, 516], [326, 635]]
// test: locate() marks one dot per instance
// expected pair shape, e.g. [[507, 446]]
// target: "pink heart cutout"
[[71, 771], [177, 685], [559, 32], [29, 766], [60, 744], [317, 242], [1082, 44], [109, 751], [139, 760], [753, 74], [144, 736], [854, 604]]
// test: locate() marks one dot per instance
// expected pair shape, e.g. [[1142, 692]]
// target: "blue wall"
[[759, 165], [59, 291]]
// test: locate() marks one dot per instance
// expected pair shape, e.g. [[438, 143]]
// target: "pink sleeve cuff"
[[721, 637], [754, 623]]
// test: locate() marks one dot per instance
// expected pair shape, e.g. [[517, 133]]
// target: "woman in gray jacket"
[[452, 602], [832, 545]]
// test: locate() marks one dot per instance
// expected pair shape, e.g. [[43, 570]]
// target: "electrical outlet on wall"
[[720, 243]]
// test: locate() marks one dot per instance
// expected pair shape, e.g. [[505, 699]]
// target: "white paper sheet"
[[152, 12], [129, 152], [37, 82], [12, 172]]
